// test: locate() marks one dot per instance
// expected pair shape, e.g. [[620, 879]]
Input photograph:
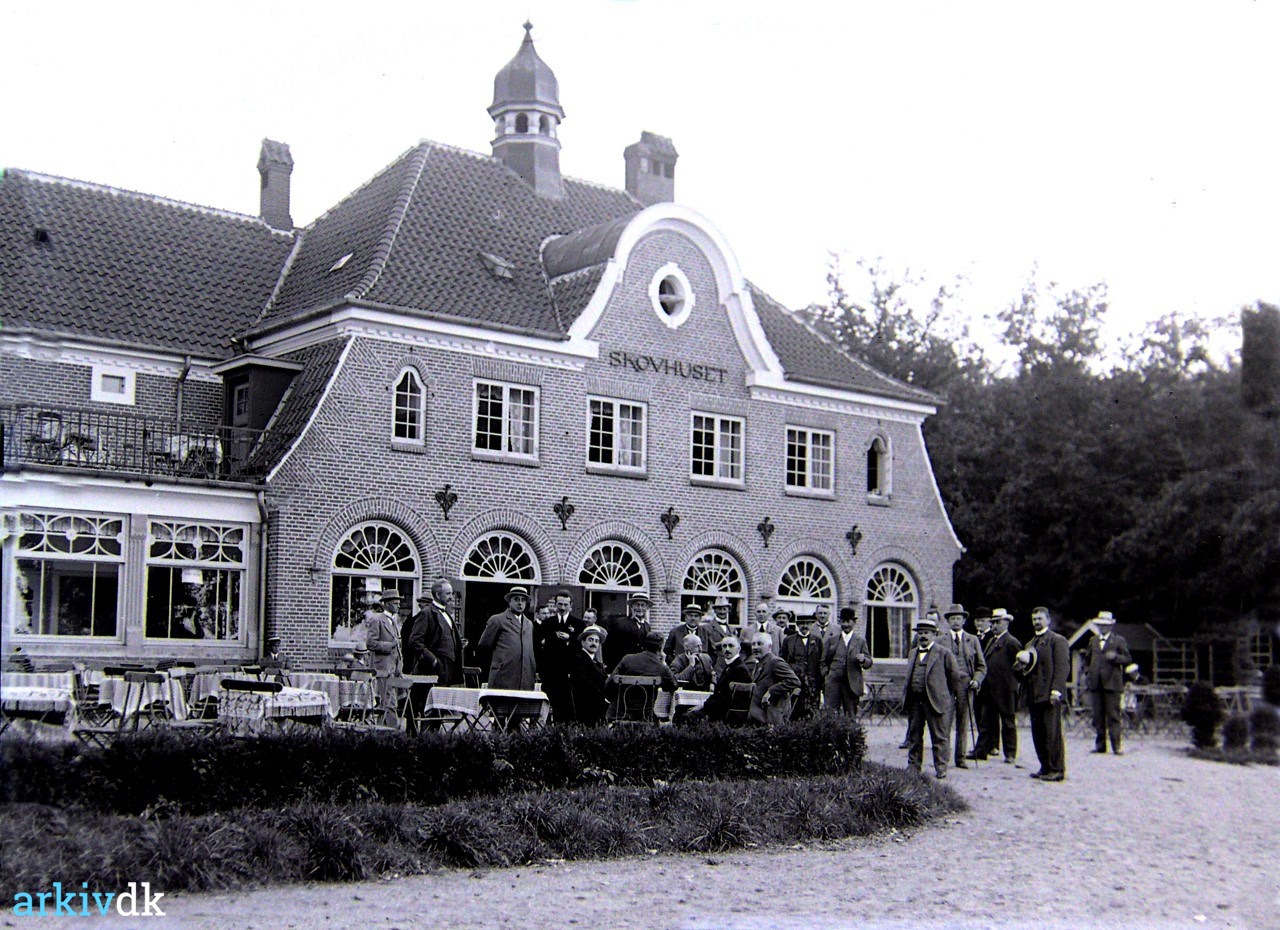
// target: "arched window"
[[714, 573], [890, 611], [544, 126], [522, 122], [806, 583], [878, 477], [409, 413], [372, 558], [501, 557], [613, 566]]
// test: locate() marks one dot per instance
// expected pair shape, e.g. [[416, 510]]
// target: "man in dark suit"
[[735, 670], [555, 640], [432, 644], [973, 668], [647, 662], [803, 652], [1108, 655], [587, 678], [626, 634], [1044, 664], [775, 682], [933, 680], [998, 698], [673, 647], [844, 657]]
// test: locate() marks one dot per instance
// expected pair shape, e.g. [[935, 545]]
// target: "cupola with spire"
[[526, 112]]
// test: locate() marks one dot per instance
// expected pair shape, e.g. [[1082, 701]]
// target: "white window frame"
[[809, 488], [615, 466], [884, 493], [220, 560], [420, 439], [503, 454], [671, 320], [239, 398], [716, 479], [97, 386]]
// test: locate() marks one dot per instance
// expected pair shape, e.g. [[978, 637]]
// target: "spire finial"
[[528, 29]]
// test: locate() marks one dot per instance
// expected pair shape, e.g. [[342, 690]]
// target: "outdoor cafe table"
[[342, 692], [115, 691], [42, 696], [464, 703], [247, 712], [668, 702]]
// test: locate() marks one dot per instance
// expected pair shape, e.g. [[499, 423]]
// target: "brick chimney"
[[275, 164], [651, 169]]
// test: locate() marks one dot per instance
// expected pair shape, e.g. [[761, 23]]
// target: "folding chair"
[[512, 713], [739, 711], [241, 699], [96, 724], [136, 706], [633, 699], [471, 676]]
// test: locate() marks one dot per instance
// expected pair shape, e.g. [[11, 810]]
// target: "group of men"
[[973, 684]]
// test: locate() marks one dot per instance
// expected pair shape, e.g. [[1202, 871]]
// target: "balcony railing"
[[122, 442]]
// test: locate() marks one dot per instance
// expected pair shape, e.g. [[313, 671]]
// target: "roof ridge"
[[280, 279], [153, 198], [356, 190], [835, 346], [600, 186], [394, 222]]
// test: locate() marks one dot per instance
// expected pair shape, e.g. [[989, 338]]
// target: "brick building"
[[219, 426]]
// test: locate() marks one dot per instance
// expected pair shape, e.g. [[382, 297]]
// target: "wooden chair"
[[471, 676], [633, 700], [139, 713], [739, 711]]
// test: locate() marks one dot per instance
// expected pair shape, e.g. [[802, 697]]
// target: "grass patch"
[[340, 842], [167, 772]]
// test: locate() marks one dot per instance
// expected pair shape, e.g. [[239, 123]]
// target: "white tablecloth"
[[38, 679], [115, 691], [668, 701], [35, 699], [466, 701]]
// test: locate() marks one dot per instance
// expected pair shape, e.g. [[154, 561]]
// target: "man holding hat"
[[973, 668], [626, 634], [844, 657], [1044, 664], [803, 651], [998, 698], [1108, 656], [508, 638], [933, 681]]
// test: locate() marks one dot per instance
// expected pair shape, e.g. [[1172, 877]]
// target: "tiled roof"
[[318, 364], [809, 357], [418, 232], [572, 292], [94, 261]]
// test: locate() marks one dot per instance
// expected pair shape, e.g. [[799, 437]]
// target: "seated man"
[[717, 706], [775, 683], [693, 667], [648, 663]]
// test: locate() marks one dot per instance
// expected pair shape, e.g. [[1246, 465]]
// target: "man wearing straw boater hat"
[[1108, 656], [1043, 665], [998, 699], [933, 680], [508, 637]]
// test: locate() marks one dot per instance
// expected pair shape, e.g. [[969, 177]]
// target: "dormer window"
[[340, 262]]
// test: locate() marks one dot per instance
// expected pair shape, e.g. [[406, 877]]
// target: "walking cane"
[[973, 730]]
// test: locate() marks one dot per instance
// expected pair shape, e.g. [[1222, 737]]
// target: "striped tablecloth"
[[466, 701], [246, 712], [342, 692], [30, 698], [115, 691], [667, 701], [38, 680]]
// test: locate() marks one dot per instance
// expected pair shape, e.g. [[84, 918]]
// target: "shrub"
[[1264, 732], [165, 772], [1235, 733], [1203, 710]]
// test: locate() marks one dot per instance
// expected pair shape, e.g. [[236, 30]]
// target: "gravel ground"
[[1152, 839]]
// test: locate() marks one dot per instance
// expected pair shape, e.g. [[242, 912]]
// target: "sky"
[[1132, 143]]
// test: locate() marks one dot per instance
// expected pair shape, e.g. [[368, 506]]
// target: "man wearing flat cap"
[[998, 698], [933, 680], [626, 634], [803, 651], [508, 639], [647, 662], [1108, 656], [844, 658], [973, 668]]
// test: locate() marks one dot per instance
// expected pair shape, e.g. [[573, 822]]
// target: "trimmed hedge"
[[327, 842], [180, 772]]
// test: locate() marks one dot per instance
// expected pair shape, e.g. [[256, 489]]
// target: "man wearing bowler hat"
[[933, 680], [803, 651], [844, 658], [1108, 656], [626, 634], [508, 638], [973, 668], [1044, 664]]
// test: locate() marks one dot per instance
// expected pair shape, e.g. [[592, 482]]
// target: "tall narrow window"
[[878, 468], [409, 414], [716, 449], [506, 421], [615, 435], [810, 460]]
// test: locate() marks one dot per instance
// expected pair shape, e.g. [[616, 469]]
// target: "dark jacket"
[[1053, 663], [1106, 665], [1001, 685], [625, 637], [586, 688], [943, 680], [674, 646], [693, 671], [775, 678], [718, 704], [554, 653], [804, 655], [433, 646], [644, 663]]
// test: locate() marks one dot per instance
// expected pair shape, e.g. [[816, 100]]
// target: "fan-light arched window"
[[501, 557], [890, 611], [714, 573], [613, 566], [806, 583], [409, 413], [372, 558]]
